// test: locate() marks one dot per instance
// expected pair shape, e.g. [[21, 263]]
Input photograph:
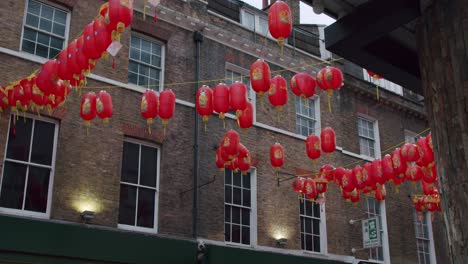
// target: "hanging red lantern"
[[47, 77], [327, 172], [345, 195], [367, 175], [429, 173], [387, 167], [89, 47], [104, 107], [409, 152], [429, 188], [358, 175], [321, 185], [244, 163], [426, 155], [242, 151], [303, 85], [238, 97], [260, 76], [72, 61], [149, 107], [348, 181], [280, 22], [167, 101], [120, 14], [204, 103], [313, 147], [88, 107], [330, 79], [399, 167], [413, 173], [310, 189], [233, 165], [277, 156], [278, 93], [429, 142], [78, 83], [37, 97], [81, 59], [298, 185], [328, 140], [430, 203], [419, 203], [221, 100], [377, 172], [13, 99], [62, 89], [354, 196], [219, 160], [339, 174], [231, 143], [102, 37], [63, 72], [26, 90], [245, 119], [380, 193]]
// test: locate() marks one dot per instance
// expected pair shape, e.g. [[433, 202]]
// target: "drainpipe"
[[198, 38]]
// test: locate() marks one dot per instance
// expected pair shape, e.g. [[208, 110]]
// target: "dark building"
[[140, 186]]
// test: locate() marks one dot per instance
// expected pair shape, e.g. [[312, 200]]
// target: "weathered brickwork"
[[88, 166]]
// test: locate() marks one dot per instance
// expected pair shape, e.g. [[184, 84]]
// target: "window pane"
[[45, 25], [316, 247], [29, 34], [308, 242], [246, 181], [227, 213], [308, 206], [32, 20], [146, 208], [19, 140], [135, 54], [42, 51], [228, 194], [237, 196], [317, 210], [47, 12], [316, 226], [227, 177], [246, 197], [34, 7], [132, 78], [43, 143], [227, 232], [56, 43], [149, 163], [28, 46], [60, 17], [237, 178], [236, 215], [245, 216], [235, 233], [43, 39], [14, 176], [127, 204], [249, 20], [130, 163], [146, 57], [245, 235], [37, 189], [308, 225], [59, 29]]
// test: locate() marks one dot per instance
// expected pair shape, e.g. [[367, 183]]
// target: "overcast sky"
[[307, 15]]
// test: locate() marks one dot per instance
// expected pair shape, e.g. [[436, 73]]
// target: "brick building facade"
[[86, 171]]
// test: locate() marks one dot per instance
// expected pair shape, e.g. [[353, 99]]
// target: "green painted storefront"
[[34, 241]]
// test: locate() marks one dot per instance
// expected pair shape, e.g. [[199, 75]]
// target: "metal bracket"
[[201, 185]]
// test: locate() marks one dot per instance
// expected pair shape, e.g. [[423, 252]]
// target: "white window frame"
[[257, 18], [26, 213], [253, 211], [430, 237], [323, 232], [376, 136], [163, 59], [383, 231], [316, 118], [383, 83], [53, 5], [156, 198], [251, 93]]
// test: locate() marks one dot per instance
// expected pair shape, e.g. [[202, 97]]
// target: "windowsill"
[[138, 229], [233, 244], [23, 213], [313, 253]]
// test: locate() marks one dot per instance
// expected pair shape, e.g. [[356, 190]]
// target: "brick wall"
[[88, 166]]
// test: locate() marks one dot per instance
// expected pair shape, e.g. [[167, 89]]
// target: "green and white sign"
[[371, 233]]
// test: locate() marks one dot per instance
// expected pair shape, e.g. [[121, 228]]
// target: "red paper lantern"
[[104, 107], [321, 185], [429, 142], [245, 119], [399, 167], [413, 173], [204, 103], [72, 60], [354, 196], [26, 90], [339, 174], [221, 99], [47, 77], [387, 167], [219, 160], [102, 37], [242, 151], [37, 97], [429, 188], [81, 59], [278, 92], [120, 14], [63, 72], [373, 75], [313, 147], [367, 175], [277, 156], [298, 184], [328, 140], [149, 107], [88, 107], [419, 203], [233, 165], [231, 143], [310, 189], [62, 89], [244, 163], [280, 21], [327, 172], [345, 195], [238, 96], [90, 47], [410, 152], [429, 173], [329, 79], [260, 76], [380, 193], [426, 155], [430, 203], [303, 85], [377, 172], [13, 99], [167, 101], [348, 181], [358, 175]]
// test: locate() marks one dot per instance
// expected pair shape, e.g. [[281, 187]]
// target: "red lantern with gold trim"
[[377, 172], [37, 97], [329, 79], [104, 107], [120, 14], [221, 100], [260, 76], [321, 185], [303, 85], [238, 97], [339, 174], [327, 172], [429, 188], [380, 193], [204, 103], [245, 119], [72, 60], [102, 36], [328, 140], [88, 107], [167, 101], [310, 189], [313, 147], [89, 47], [354, 196], [410, 152], [47, 77], [358, 175], [298, 185], [367, 175], [149, 106], [426, 154], [399, 167], [244, 163], [413, 173], [277, 156], [348, 181], [429, 173], [278, 93], [25, 98], [233, 165], [81, 59], [231, 143], [387, 167], [280, 21]]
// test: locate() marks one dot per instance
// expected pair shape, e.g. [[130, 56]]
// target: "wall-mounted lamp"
[[281, 242], [87, 216]]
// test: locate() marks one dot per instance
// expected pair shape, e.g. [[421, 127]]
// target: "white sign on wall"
[[371, 233]]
